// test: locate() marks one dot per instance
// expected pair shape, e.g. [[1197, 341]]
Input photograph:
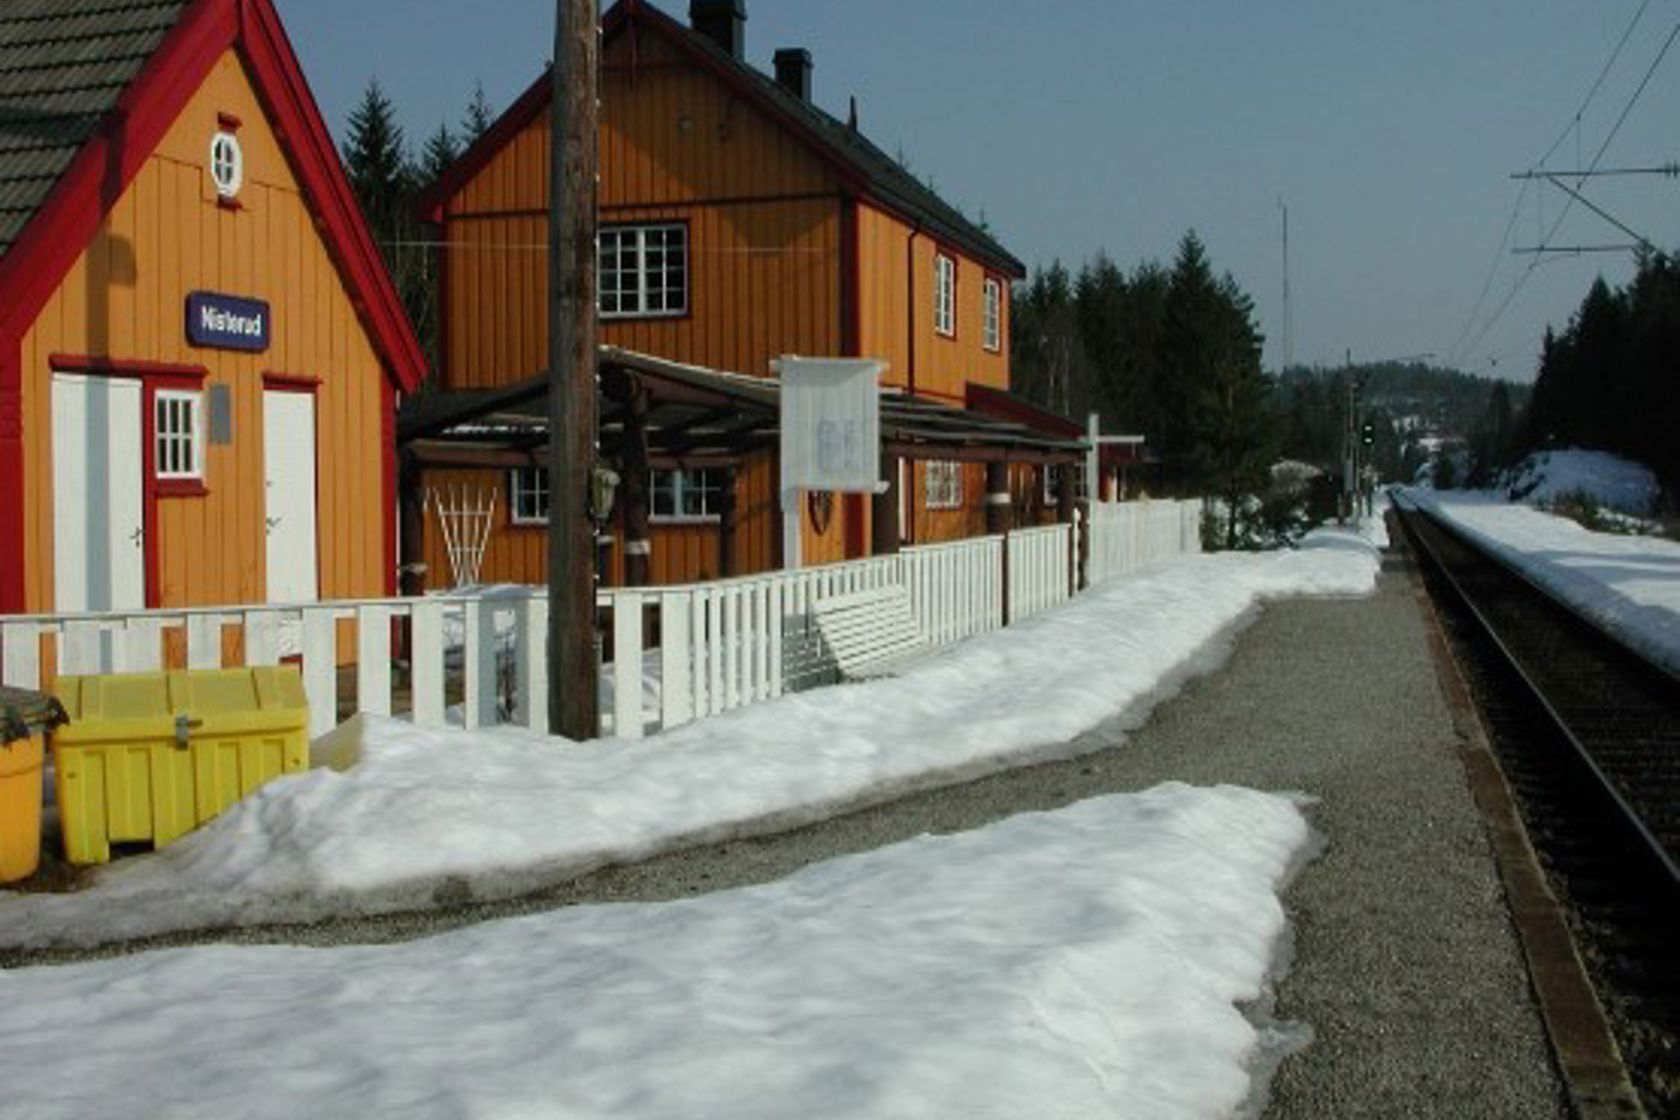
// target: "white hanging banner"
[[831, 423], [830, 433]]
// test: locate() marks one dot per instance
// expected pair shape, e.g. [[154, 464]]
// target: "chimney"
[[724, 22], [793, 71]]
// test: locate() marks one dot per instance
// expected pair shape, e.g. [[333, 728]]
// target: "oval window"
[[227, 164]]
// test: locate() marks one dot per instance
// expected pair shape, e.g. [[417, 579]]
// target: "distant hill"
[[1416, 409]]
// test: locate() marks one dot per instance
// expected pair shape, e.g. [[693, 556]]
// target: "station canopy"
[[695, 417]]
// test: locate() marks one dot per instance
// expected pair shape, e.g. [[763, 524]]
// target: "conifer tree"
[[441, 150], [377, 162], [386, 182], [478, 118]]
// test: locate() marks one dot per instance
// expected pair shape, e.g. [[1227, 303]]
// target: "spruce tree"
[[441, 150], [386, 183], [377, 162], [478, 118]]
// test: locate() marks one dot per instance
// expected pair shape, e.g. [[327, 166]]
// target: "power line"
[[1572, 125], [1592, 168]]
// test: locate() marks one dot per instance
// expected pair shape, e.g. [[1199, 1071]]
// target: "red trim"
[[290, 382], [281, 86], [223, 202], [152, 376], [187, 376], [1007, 406], [37, 262], [388, 467], [50, 243], [526, 108], [229, 121], [938, 393], [12, 554], [149, 496]]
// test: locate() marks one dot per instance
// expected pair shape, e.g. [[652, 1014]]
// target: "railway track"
[[1587, 733]]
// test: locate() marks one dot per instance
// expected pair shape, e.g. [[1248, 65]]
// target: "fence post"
[[320, 668], [627, 664], [426, 664], [373, 660]]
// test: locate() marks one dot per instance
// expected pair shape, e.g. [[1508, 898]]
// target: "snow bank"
[[455, 814], [1629, 585], [1075, 964], [1618, 484]]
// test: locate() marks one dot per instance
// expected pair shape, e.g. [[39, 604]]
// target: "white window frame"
[[641, 291], [991, 314], [942, 484], [525, 486], [227, 164], [1053, 470], [172, 442], [945, 295], [683, 484]]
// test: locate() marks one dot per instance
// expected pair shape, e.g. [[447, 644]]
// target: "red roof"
[[61, 228], [107, 163]]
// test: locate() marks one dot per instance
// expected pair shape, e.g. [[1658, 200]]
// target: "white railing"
[[1040, 569], [471, 647], [1126, 536], [956, 589], [673, 654], [676, 653]]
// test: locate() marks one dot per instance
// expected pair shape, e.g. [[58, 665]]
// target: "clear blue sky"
[[1079, 125]]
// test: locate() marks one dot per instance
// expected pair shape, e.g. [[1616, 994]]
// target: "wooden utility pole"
[[573, 667]]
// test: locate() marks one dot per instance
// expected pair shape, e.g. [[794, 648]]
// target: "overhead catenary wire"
[[1581, 177], [1571, 126]]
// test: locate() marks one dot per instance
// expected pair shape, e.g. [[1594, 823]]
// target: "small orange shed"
[[200, 350]]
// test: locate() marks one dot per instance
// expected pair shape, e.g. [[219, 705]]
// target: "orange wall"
[[764, 219], [124, 299], [682, 553], [896, 311]]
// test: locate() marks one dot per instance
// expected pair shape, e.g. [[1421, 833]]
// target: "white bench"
[[869, 633]]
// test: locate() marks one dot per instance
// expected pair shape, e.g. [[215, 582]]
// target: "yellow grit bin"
[[151, 756]]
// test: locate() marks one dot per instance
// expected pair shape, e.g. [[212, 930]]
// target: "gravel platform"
[[1405, 965]]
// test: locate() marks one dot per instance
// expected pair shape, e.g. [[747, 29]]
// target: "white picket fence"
[[677, 653], [1126, 536], [726, 644], [1040, 569]]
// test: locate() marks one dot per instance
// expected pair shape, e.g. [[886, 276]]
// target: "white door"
[[99, 536], [289, 481]]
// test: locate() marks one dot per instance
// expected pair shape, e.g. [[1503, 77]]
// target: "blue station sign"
[[227, 322]]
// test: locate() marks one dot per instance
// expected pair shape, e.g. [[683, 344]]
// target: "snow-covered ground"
[[1629, 584], [1614, 483], [1081, 963], [491, 814]]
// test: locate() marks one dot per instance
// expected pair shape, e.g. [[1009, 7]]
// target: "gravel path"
[[1405, 967]]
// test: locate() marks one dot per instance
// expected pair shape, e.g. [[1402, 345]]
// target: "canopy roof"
[[696, 416]]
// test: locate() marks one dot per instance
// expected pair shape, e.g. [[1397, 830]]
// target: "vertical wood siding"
[[682, 553], [676, 145], [125, 300], [897, 297]]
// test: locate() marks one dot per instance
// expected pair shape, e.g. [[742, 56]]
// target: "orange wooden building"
[[739, 222], [200, 350]]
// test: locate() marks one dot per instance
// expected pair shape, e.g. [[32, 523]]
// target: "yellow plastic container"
[[20, 808], [151, 757]]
